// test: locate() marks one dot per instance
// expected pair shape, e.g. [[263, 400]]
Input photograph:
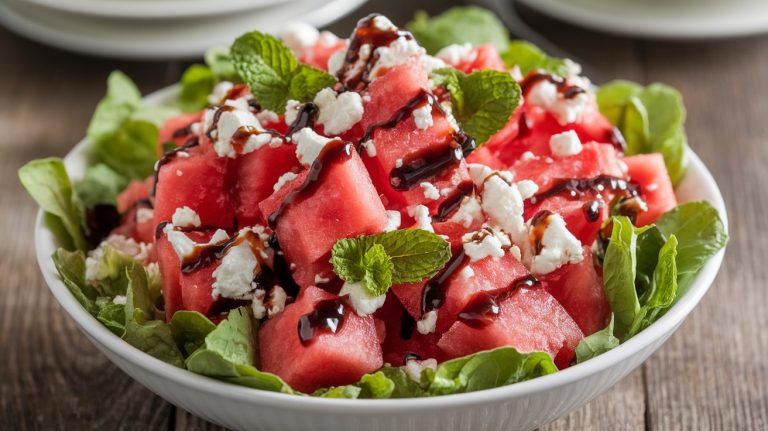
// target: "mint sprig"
[[464, 24], [272, 72], [378, 261], [483, 101]]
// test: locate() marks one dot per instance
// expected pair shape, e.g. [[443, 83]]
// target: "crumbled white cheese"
[[336, 61], [267, 116], [382, 23], [422, 116], [292, 108], [228, 124], [543, 95], [233, 277], [468, 213], [467, 272], [430, 191], [399, 163], [559, 247], [328, 39], [370, 148], [144, 214], [184, 246], [515, 251], [652, 187], [566, 110], [485, 243], [179, 173], [503, 204], [338, 112], [565, 144], [426, 325], [414, 367], [457, 54], [219, 92], [257, 304], [573, 68], [478, 173], [319, 279], [527, 188], [186, 217], [393, 221], [277, 300], [398, 52], [528, 156], [423, 220], [361, 301], [283, 180], [309, 145], [119, 299], [299, 35], [516, 73]]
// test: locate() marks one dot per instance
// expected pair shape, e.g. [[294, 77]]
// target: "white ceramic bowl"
[[522, 406]]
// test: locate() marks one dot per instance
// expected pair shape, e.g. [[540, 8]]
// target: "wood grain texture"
[[710, 375]]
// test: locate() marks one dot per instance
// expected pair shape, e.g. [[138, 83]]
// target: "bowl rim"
[[103, 338]]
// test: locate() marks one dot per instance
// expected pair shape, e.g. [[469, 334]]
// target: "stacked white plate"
[[159, 29]]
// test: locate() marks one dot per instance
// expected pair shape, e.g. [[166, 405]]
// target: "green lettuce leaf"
[[483, 101], [154, 338], [489, 369], [597, 343], [619, 270], [46, 180], [112, 316], [528, 57], [121, 101], [100, 185], [458, 25], [131, 150], [197, 83], [71, 269], [387, 382], [189, 329], [650, 118], [229, 353], [272, 72], [663, 290]]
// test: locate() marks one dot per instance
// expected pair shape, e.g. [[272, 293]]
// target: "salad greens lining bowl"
[[525, 405]]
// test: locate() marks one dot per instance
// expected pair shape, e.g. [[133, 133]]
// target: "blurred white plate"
[[670, 19], [154, 9], [160, 39]]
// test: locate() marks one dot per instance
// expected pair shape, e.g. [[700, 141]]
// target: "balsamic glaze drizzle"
[[282, 270], [539, 224], [483, 308], [592, 210], [327, 316], [453, 202], [534, 77], [407, 325], [580, 186], [204, 255], [305, 118], [433, 294]]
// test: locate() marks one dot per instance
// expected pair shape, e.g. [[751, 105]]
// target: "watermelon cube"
[[649, 171], [583, 215], [328, 359], [198, 181], [177, 130], [578, 287], [531, 320], [401, 338]]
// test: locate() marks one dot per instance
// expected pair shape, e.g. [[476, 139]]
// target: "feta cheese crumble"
[[338, 112], [393, 221], [422, 116], [185, 217], [219, 92], [235, 273], [468, 213], [457, 54], [565, 144], [558, 246], [128, 246], [229, 123], [309, 145], [414, 367], [478, 173], [566, 110], [184, 245], [292, 108], [503, 204], [430, 191], [487, 242], [283, 180], [299, 35], [420, 213], [370, 148], [361, 301], [427, 323]]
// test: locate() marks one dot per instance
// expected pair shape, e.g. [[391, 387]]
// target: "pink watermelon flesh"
[[579, 289], [343, 205], [531, 320], [128, 204], [489, 274], [575, 215], [329, 359], [176, 129], [170, 275], [256, 173], [202, 186], [318, 54], [400, 336], [391, 91], [649, 171], [486, 57]]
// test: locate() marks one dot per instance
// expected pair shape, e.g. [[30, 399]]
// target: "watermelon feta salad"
[[387, 215]]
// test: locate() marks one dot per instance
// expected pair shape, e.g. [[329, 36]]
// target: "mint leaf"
[[415, 254], [272, 72], [229, 353], [650, 118], [100, 185], [154, 338], [467, 24], [131, 150], [197, 83], [46, 180], [71, 268], [700, 233], [619, 269], [189, 329], [528, 57], [489, 369], [483, 101], [597, 343], [378, 269], [219, 60]]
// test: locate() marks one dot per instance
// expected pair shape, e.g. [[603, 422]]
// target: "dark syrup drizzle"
[[410, 356], [453, 202], [366, 33], [100, 220], [407, 325], [534, 77], [484, 307], [433, 294], [182, 132], [328, 316], [539, 223], [592, 210], [579, 186], [305, 118], [204, 255], [336, 151], [282, 270]]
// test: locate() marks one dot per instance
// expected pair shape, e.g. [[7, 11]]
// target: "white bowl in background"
[[521, 406]]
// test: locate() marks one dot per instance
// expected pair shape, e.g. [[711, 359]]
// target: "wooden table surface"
[[712, 374]]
